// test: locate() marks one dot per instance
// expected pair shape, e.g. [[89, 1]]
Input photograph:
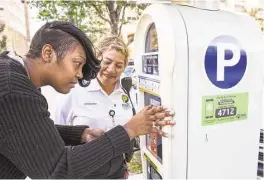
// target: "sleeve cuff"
[[119, 139], [71, 133]]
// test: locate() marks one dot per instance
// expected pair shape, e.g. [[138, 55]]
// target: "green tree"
[[255, 13], [96, 18], [3, 38], [135, 165]]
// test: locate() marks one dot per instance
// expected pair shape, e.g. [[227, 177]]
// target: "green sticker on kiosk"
[[224, 108]]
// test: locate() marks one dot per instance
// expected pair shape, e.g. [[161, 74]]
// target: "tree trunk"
[[114, 17], [114, 29]]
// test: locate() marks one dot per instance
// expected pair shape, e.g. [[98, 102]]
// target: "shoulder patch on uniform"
[[124, 98]]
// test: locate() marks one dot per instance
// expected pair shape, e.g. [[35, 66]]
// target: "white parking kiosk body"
[[207, 66]]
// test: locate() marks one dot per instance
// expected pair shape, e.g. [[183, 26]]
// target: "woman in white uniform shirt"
[[103, 104]]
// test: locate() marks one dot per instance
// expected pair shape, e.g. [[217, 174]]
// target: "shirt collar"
[[95, 86]]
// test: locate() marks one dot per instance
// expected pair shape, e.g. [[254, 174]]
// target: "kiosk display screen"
[[150, 64], [151, 44], [153, 140]]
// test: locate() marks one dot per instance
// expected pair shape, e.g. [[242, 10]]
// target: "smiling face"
[[68, 70], [112, 66]]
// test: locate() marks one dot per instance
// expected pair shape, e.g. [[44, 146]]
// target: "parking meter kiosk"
[[207, 66]]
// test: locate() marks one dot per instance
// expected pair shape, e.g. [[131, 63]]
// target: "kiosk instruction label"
[[224, 108]]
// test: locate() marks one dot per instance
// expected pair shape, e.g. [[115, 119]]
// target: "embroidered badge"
[[124, 98]]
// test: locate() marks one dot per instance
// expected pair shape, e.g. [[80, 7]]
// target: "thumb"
[[96, 132]]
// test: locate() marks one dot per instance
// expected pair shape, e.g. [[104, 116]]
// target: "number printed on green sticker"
[[225, 112], [224, 108]]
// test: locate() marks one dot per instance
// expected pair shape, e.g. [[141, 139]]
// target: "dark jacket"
[[31, 145]]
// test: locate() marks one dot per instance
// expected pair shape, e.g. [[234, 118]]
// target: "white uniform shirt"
[[91, 105]]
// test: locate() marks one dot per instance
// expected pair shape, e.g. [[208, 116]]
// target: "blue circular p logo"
[[225, 62]]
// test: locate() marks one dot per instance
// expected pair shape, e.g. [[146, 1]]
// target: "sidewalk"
[[136, 176]]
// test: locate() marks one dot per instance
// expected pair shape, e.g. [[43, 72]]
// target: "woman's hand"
[[147, 120], [90, 134]]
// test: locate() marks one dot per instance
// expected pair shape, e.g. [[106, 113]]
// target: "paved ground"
[[136, 176]]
